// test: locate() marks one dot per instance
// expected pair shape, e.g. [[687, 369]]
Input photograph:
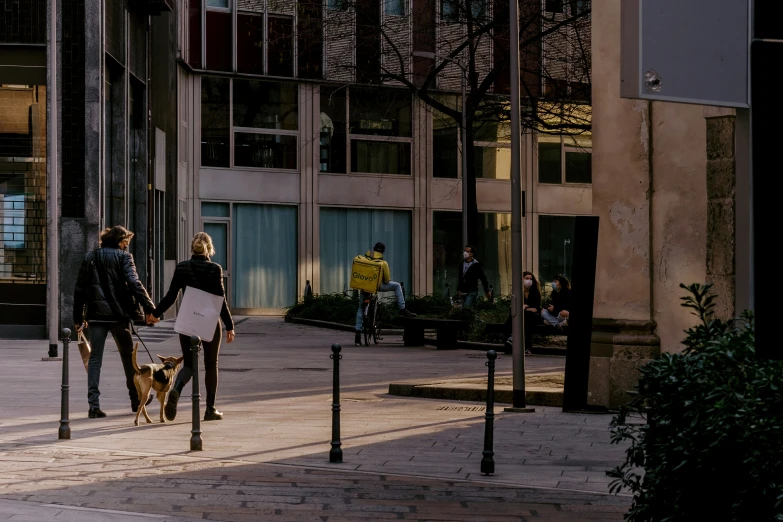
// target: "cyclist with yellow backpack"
[[375, 277]]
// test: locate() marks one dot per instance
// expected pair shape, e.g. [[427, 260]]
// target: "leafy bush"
[[712, 447], [341, 308], [335, 308]]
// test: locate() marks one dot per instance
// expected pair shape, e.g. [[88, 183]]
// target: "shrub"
[[335, 308], [712, 445]]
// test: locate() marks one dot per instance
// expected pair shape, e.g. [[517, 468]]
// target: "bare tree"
[[427, 47]]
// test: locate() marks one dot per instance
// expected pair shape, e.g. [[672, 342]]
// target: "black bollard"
[[336, 453], [195, 433], [65, 424], [488, 461]]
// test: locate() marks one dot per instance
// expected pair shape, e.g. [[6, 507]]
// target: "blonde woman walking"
[[201, 273]]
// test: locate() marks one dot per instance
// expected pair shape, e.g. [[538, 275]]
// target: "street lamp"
[[565, 242], [464, 133]]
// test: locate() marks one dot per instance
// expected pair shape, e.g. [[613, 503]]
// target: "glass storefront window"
[[492, 162], [348, 232], [264, 261], [270, 151], [332, 136], [23, 204], [215, 108], [494, 251], [380, 157], [555, 239], [265, 105]]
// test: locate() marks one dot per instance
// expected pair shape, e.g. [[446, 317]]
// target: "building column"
[[624, 331], [721, 209]]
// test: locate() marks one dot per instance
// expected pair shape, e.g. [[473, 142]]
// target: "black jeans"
[[211, 351], [532, 319], [97, 333]]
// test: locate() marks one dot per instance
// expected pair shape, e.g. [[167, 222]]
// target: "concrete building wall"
[[649, 190], [679, 211]]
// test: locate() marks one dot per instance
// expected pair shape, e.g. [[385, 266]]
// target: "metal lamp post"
[[565, 242], [517, 317], [464, 134]]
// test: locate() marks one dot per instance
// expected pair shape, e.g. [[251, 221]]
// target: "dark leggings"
[[211, 351]]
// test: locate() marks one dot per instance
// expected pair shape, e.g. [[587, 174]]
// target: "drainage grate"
[[481, 355], [461, 408], [229, 354], [307, 369], [235, 369]]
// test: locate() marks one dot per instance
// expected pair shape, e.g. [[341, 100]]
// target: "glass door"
[[219, 232]]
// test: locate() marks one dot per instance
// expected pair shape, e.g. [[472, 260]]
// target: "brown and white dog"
[[158, 377]]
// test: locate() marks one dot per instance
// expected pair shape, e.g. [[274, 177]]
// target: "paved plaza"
[[404, 458]]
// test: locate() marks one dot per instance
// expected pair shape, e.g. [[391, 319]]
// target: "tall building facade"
[[302, 144], [87, 111]]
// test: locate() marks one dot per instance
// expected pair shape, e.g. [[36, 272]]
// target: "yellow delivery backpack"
[[366, 274]]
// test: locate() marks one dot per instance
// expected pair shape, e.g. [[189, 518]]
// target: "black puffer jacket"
[[93, 301], [198, 272]]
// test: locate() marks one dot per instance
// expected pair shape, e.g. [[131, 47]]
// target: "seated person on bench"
[[557, 313], [531, 307]]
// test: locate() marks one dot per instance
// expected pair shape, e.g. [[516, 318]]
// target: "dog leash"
[[142, 342]]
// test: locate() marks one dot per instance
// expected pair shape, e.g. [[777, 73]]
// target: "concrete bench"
[[445, 329]]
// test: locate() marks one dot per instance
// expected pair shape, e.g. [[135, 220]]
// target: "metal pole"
[[336, 453], [53, 174], [65, 424], [517, 319], [488, 460], [464, 161], [195, 433], [565, 242]]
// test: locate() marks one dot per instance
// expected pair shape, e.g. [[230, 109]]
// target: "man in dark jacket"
[[106, 296], [470, 272]]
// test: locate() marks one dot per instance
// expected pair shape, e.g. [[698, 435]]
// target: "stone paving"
[[404, 458]]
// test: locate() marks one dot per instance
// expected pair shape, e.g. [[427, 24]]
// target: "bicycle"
[[371, 323]]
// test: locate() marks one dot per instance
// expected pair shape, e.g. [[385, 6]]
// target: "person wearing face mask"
[[556, 314], [531, 307], [107, 297], [470, 273]]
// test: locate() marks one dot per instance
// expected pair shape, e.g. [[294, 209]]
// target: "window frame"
[[219, 9], [252, 130], [386, 13], [568, 143], [267, 12]]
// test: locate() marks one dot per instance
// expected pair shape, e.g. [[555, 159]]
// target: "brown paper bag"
[[84, 349]]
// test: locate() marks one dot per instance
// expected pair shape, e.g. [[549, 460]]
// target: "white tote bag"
[[198, 314]]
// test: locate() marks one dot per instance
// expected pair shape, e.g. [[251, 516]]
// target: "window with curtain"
[[348, 232], [265, 263]]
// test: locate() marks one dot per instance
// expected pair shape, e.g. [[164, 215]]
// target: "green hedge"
[[341, 308], [712, 444]]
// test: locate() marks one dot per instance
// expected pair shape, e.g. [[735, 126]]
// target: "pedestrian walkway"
[[405, 458]]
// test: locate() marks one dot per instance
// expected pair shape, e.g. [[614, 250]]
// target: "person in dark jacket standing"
[[470, 272], [201, 273], [106, 299]]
